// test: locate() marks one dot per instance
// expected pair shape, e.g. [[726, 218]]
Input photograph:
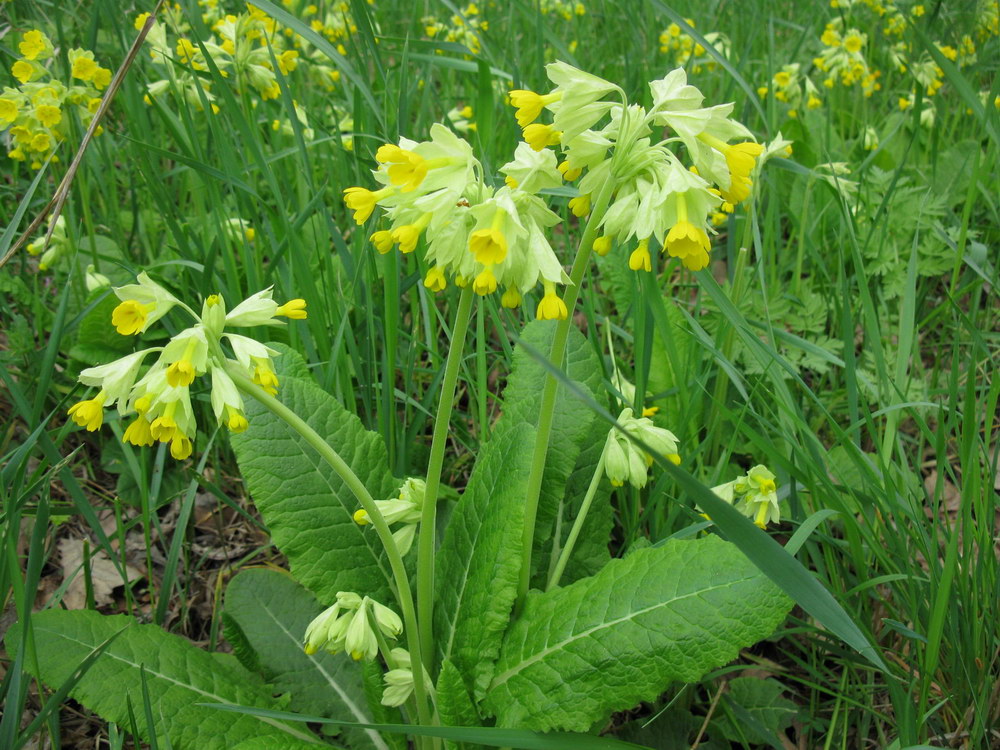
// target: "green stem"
[[547, 409], [727, 334], [581, 516], [328, 454], [427, 537]]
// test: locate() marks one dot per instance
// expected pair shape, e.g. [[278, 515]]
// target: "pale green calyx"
[[625, 461], [347, 626]]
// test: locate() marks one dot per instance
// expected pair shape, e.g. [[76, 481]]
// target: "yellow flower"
[[580, 206], [180, 373], [180, 446], [539, 136], [138, 433], [362, 201], [602, 245], [406, 168], [529, 105], [407, 236], [435, 279], [84, 68], [551, 307], [488, 245], [511, 298], [237, 422], [8, 111], [35, 44], [130, 316], [41, 142], [485, 283], [689, 243], [287, 61], [264, 376], [89, 413], [48, 115], [639, 260], [24, 71], [294, 309], [782, 79], [569, 174], [853, 43], [101, 78], [140, 21], [382, 240]]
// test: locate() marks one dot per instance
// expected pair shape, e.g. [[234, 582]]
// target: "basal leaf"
[[761, 714], [605, 643], [479, 558], [454, 705], [306, 506], [272, 612], [178, 675]]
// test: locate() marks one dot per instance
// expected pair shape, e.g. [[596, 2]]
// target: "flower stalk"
[[427, 538], [547, 410]]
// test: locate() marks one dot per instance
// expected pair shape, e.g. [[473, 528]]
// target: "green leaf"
[[97, 341], [574, 449], [306, 506], [761, 713], [178, 676], [454, 705], [491, 736], [272, 612], [479, 559], [605, 643]]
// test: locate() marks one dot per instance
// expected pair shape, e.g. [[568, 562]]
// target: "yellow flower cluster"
[[788, 85], [39, 110], [683, 47], [251, 49], [161, 398], [562, 8], [463, 28], [885, 55], [655, 196]]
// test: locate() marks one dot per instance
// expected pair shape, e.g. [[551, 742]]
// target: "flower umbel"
[[161, 398]]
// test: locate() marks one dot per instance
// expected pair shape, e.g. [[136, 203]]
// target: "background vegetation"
[[847, 335]]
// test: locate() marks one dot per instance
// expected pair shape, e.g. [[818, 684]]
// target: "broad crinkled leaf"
[[574, 448], [454, 705], [759, 710], [178, 676], [307, 507], [272, 612], [479, 558], [605, 643]]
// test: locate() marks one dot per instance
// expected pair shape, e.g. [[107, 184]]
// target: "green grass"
[[852, 349]]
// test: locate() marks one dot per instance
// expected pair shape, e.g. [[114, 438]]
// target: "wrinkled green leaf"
[[306, 506], [454, 705], [178, 675], [272, 612], [760, 712], [605, 643], [479, 559]]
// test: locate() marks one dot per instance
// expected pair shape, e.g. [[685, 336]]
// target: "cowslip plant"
[[515, 615]]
